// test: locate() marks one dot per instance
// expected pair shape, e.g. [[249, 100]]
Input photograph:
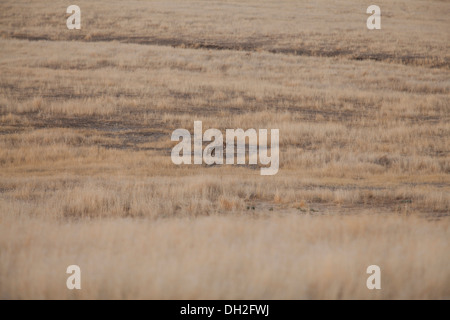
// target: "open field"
[[86, 176], [222, 257]]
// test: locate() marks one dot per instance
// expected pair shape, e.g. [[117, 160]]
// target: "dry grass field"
[[86, 176]]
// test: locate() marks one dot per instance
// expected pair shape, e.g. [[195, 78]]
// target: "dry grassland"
[[86, 176]]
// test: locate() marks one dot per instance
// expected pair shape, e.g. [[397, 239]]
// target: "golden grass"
[[227, 257], [85, 170], [413, 32]]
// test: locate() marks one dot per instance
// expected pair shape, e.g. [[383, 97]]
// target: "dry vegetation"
[[226, 257], [85, 170]]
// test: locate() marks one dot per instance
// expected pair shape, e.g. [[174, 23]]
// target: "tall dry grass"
[[85, 170], [414, 32], [223, 257]]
